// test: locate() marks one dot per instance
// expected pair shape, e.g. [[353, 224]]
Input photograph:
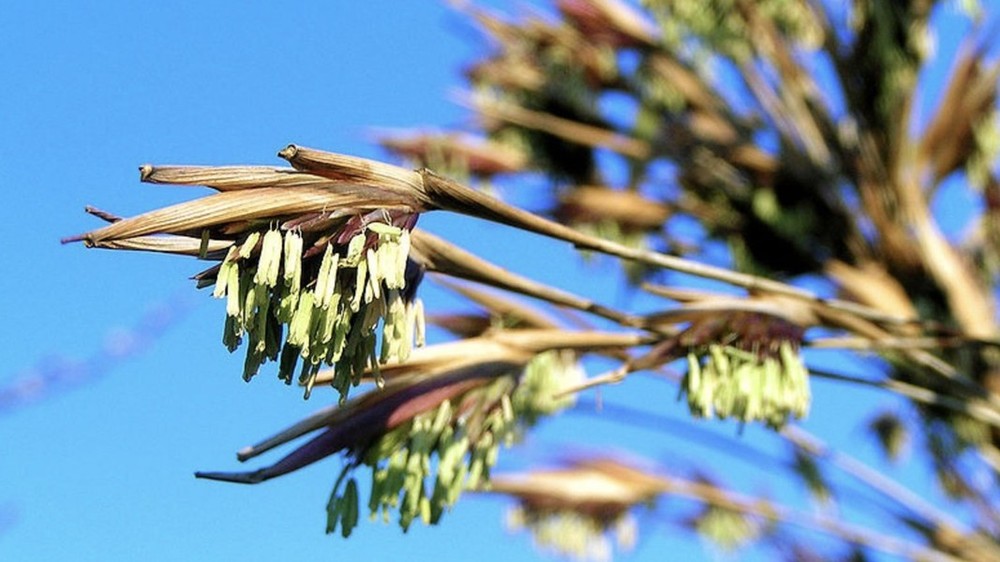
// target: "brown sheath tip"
[[288, 152]]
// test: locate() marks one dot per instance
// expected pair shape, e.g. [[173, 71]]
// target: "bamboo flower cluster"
[[312, 262], [583, 510], [572, 534], [334, 319], [729, 382], [419, 469]]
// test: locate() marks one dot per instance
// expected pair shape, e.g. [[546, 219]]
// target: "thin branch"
[[453, 196], [570, 130], [614, 376], [879, 344], [874, 479], [759, 507], [976, 408], [441, 256]]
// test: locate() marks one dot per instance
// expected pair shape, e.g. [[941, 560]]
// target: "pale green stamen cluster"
[[333, 319], [466, 446], [574, 534], [727, 528], [544, 378], [401, 464], [738, 384]]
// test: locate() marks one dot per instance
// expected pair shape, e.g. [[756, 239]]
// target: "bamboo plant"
[[788, 131]]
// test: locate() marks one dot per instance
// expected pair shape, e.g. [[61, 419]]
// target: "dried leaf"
[[236, 206], [231, 178]]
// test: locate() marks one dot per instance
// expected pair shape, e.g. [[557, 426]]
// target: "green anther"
[[701, 401], [458, 484], [335, 505], [506, 409], [395, 339], [385, 258], [233, 291], [772, 380], [491, 458], [454, 454], [757, 399], [355, 249], [401, 253], [287, 306], [326, 327], [249, 300], [720, 359], [350, 512], [693, 378], [270, 259], [475, 475], [333, 510], [298, 328], [723, 399], [231, 334], [359, 285], [377, 491], [293, 260], [286, 364], [323, 275], [374, 277], [222, 277], [441, 418], [340, 332], [420, 326], [252, 363], [246, 249], [425, 510], [383, 229], [332, 285], [262, 300], [736, 354], [745, 378]]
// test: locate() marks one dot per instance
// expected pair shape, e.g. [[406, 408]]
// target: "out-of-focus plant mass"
[[787, 132]]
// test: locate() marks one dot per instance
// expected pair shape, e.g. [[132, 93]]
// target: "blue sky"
[[103, 470]]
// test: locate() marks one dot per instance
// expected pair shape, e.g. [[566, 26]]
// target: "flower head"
[[742, 355], [581, 510], [313, 263]]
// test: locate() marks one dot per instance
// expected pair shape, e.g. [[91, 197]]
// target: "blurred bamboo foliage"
[[787, 131]]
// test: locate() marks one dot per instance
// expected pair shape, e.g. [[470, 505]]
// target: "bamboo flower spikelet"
[[743, 356], [775, 164], [752, 372], [314, 270], [464, 433]]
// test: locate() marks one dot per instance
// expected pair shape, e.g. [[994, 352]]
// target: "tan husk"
[[232, 178], [165, 244], [405, 184], [235, 206]]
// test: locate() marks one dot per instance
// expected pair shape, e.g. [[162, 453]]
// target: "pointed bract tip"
[[288, 152], [254, 477]]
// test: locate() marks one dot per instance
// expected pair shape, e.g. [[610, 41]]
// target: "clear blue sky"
[[103, 470]]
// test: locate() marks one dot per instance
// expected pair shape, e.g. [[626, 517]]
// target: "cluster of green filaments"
[[546, 375], [730, 382], [420, 468], [575, 534], [728, 528], [334, 317], [722, 26]]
